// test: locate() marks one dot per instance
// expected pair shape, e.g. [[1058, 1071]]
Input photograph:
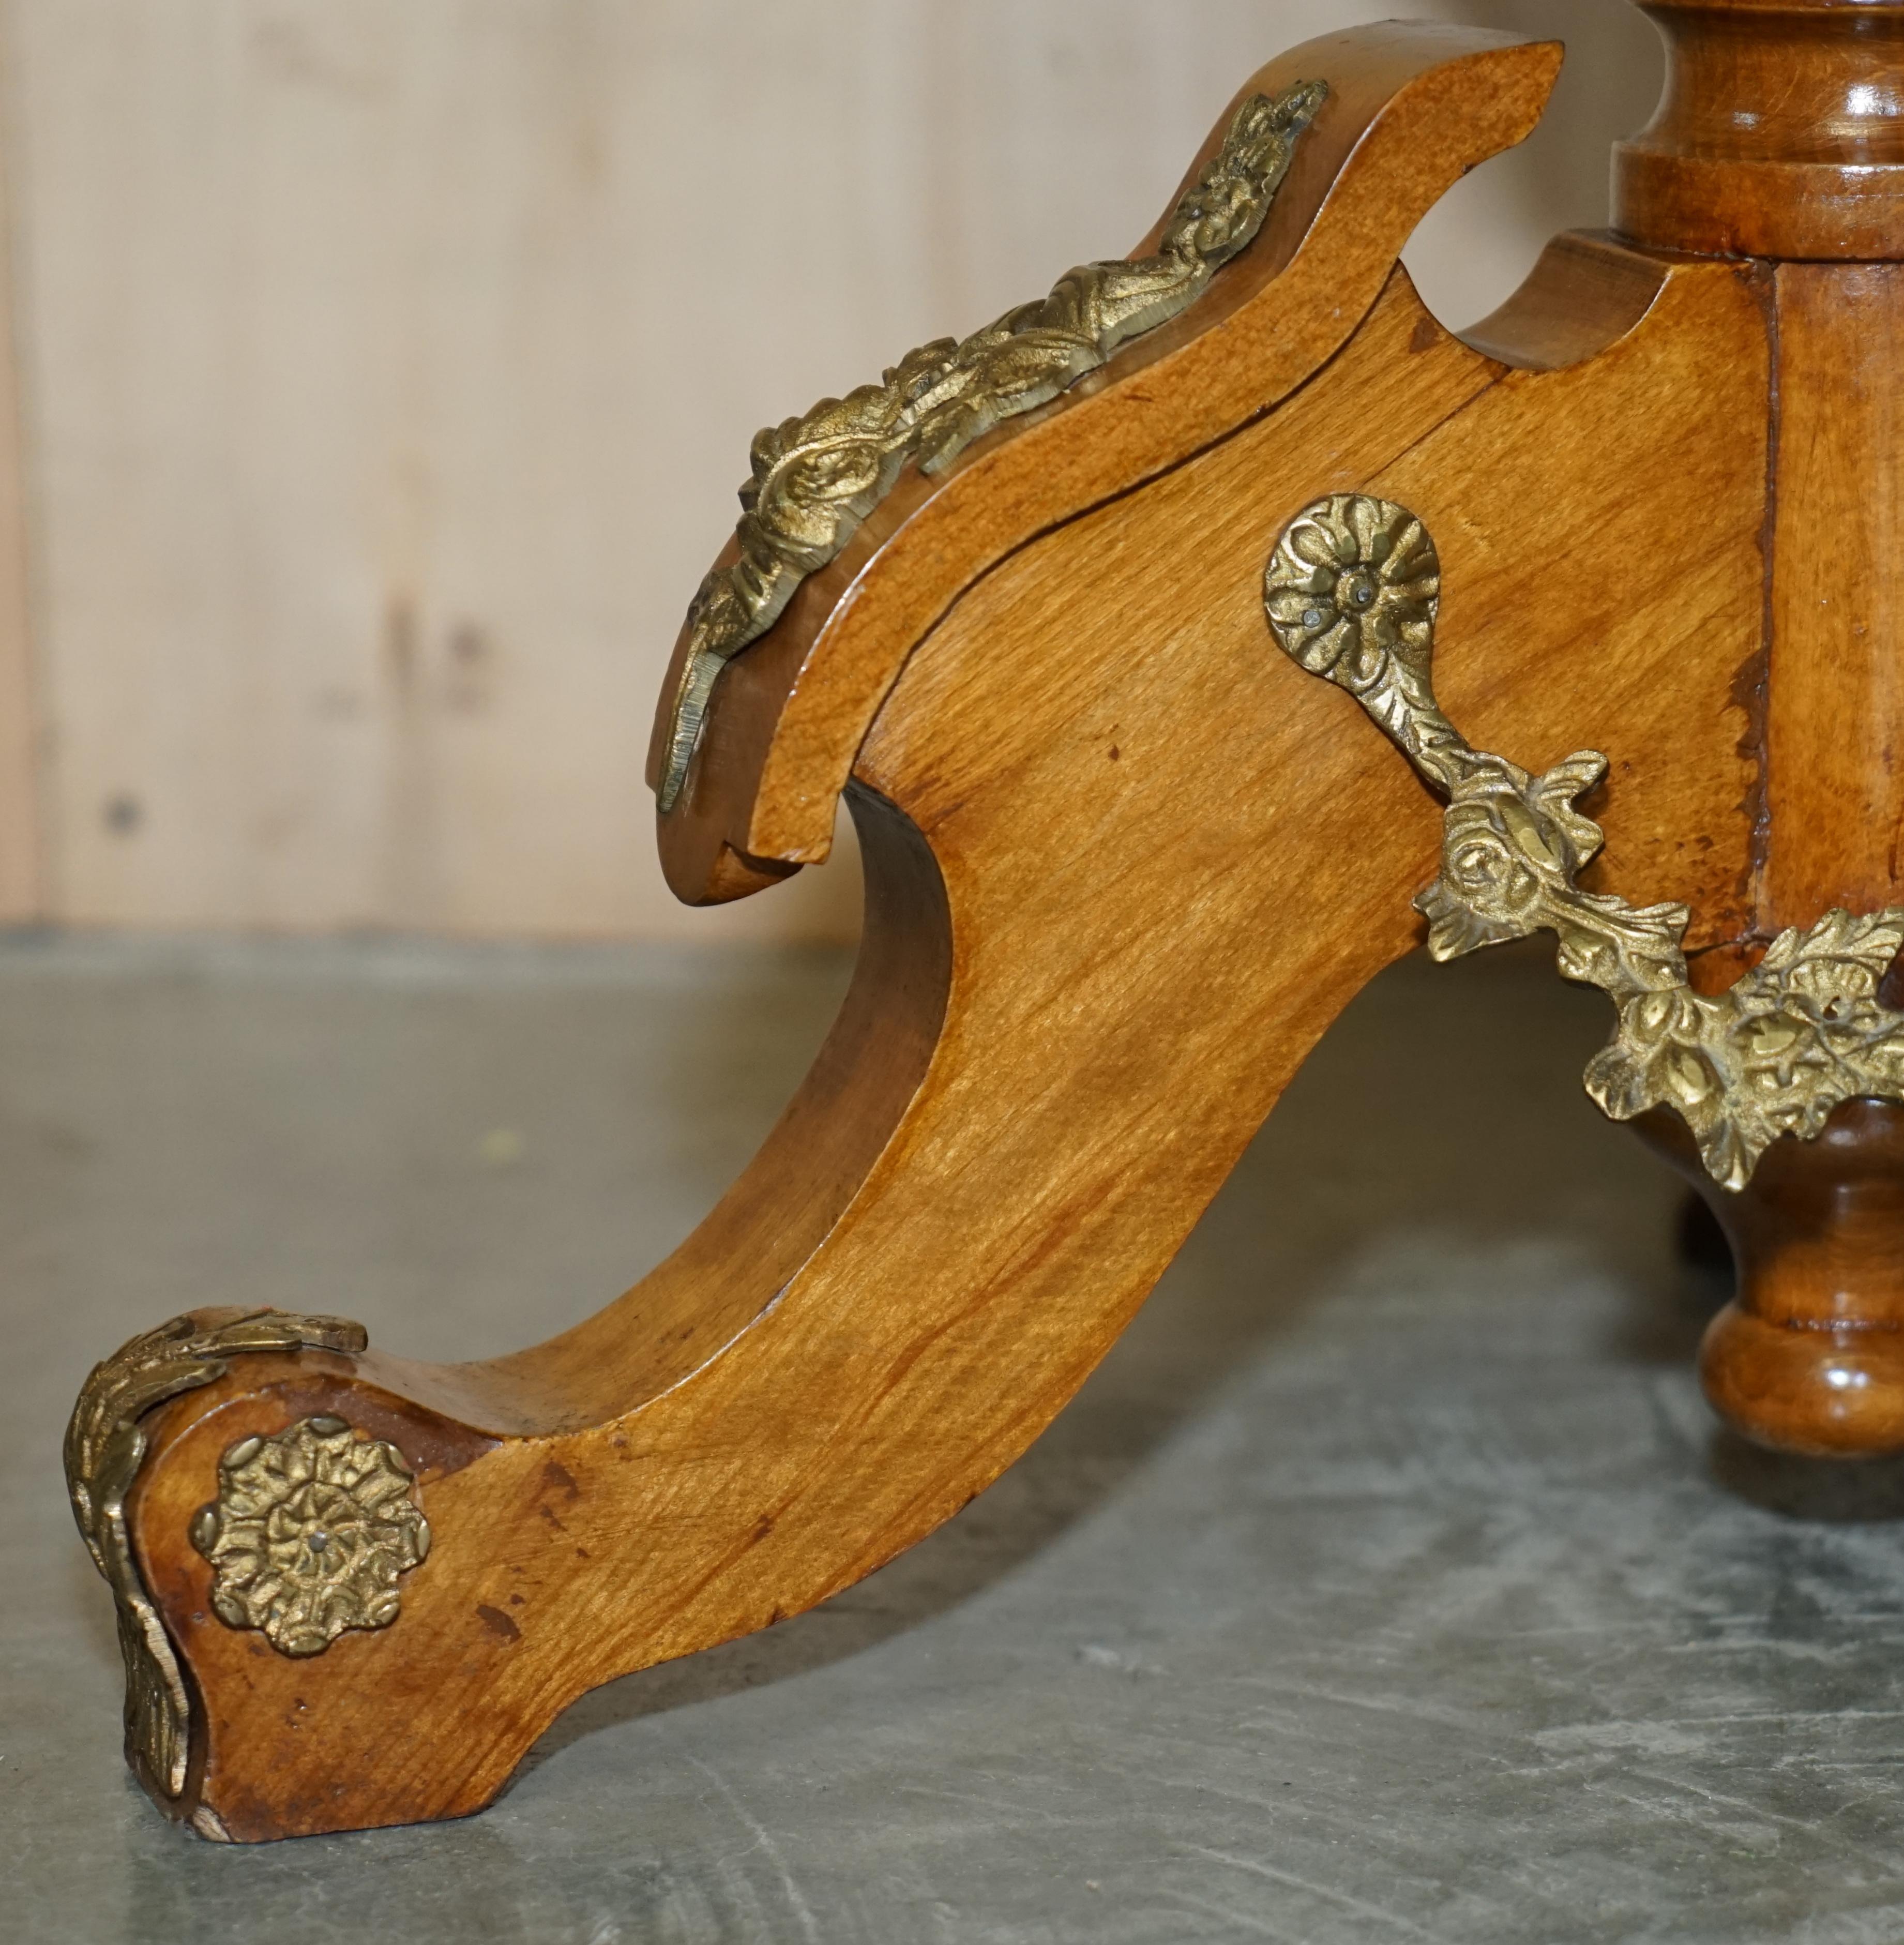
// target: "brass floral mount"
[[1352, 592], [815, 479], [105, 1445], [307, 1535]]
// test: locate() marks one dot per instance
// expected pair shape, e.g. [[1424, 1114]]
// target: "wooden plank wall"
[[386, 372]]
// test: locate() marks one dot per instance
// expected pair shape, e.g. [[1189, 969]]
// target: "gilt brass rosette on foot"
[[309, 1534]]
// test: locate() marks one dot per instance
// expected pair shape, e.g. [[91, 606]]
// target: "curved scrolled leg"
[[1126, 862]]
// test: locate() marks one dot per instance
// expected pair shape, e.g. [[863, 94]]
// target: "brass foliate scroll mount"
[[1352, 592], [106, 1444], [815, 479]]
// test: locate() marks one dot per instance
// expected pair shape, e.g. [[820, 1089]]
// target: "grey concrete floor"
[[1388, 1581]]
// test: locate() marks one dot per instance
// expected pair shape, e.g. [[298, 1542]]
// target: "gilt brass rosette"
[[1352, 592], [309, 1534]]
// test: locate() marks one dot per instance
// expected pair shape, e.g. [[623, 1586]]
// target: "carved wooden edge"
[[1588, 290], [791, 711], [815, 477]]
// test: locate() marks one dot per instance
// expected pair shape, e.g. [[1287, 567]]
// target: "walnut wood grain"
[[1126, 862], [1835, 722]]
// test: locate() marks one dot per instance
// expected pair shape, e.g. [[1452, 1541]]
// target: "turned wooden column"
[[1809, 1357], [1780, 138], [1779, 135]]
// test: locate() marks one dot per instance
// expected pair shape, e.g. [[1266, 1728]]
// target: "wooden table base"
[[1126, 862]]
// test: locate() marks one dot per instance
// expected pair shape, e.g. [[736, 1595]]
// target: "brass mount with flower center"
[[1352, 592]]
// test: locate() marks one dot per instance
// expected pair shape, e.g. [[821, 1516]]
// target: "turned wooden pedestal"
[[1780, 140], [1126, 859], [1809, 1357]]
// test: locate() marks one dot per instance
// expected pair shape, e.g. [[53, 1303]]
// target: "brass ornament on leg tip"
[[105, 1446]]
